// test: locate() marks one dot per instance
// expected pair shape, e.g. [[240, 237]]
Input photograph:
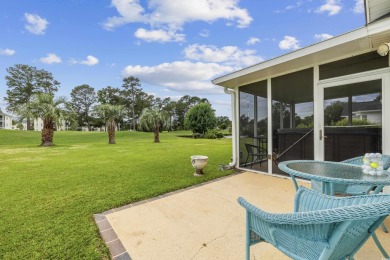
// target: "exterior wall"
[[38, 125], [5, 121], [374, 117]]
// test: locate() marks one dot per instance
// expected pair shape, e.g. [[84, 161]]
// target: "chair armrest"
[[386, 161], [324, 216], [354, 161], [309, 200], [358, 161]]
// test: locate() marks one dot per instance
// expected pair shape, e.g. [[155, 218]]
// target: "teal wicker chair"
[[321, 227], [352, 189]]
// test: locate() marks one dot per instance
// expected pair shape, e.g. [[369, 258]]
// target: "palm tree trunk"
[[157, 134], [29, 123], [111, 132], [47, 132]]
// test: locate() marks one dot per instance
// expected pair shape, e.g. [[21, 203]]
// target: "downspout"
[[234, 130]]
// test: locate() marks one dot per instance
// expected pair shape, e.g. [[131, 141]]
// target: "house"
[[370, 111], [38, 125], [285, 105], [5, 120]]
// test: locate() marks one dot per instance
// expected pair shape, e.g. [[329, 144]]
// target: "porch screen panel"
[[292, 117], [253, 126], [246, 124], [353, 120]]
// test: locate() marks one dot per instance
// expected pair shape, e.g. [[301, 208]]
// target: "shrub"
[[344, 122], [213, 134]]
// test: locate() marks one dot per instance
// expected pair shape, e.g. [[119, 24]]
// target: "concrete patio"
[[204, 222]]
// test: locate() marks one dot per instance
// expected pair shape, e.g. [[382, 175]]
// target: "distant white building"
[[369, 110], [38, 125], [5, 120]]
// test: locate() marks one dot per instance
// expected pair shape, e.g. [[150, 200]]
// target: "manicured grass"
[[48, 195]]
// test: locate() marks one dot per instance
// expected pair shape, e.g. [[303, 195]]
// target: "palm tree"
[[51, 111], [110, 113], [153, 119]]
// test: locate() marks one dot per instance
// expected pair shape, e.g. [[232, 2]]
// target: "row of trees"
[[134, 100], [127, 107]]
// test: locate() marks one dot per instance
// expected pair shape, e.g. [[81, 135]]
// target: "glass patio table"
[[331, 173]]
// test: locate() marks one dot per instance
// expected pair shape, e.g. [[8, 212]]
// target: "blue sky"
[[175, 47]]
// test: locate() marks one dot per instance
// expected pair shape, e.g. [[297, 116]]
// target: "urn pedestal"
[[199, 162]]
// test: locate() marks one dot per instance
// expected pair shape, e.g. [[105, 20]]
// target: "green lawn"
[[48, 195]]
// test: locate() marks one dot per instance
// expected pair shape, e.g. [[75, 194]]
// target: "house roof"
[[374, 105], [2, 113], [376, 10], [359, 41]]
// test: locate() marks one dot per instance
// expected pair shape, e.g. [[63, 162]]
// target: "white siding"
[[5, 121]]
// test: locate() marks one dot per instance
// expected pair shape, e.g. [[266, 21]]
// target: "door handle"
[[322, 136]]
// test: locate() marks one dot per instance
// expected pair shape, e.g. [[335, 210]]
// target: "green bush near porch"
[[48, 195]]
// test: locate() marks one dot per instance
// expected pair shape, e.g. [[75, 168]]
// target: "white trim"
[[378, 27], [354, 78], [236, 125], [312, 49], [269, 124], [304, 68], [318, 95], [367, 11], [386, 111], [232, 94]]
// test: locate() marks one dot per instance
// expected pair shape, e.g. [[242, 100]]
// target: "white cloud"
[[289, 43], [159, 35], [252, 41], [290, 7], [359, 7], [90, 61], [332, 7], [227, 55], [204, 33], [35, 23], [293, 6], [7, 52], [129, 11], [180, 75], [322, 36], [51, 58], [174, 14]]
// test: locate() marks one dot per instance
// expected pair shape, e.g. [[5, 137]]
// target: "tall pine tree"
[[23, 83]]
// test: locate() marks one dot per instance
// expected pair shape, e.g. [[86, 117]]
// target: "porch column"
[[350, 110], [269, 124], [318, 102]]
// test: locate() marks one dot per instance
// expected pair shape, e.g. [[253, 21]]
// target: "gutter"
[[234, 130]]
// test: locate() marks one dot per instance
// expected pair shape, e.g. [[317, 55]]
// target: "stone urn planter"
[[199, 162]]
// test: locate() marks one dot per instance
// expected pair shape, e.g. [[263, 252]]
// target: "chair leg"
[[380, 247], [246, 161], [248, 238], [376, 191], [384, 228]]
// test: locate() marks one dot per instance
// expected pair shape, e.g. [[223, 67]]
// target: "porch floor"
[[206, 222]]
